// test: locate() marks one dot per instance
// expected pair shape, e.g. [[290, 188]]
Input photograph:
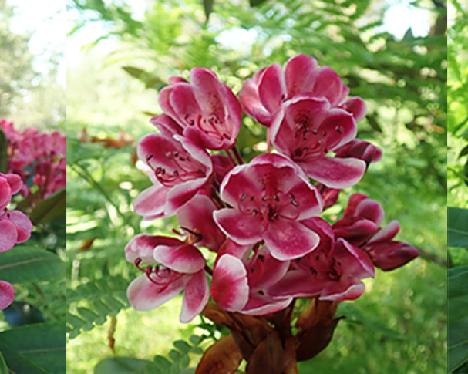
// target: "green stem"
[[83, 173]]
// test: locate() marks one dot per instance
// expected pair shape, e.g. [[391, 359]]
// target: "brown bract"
[[267, 344]]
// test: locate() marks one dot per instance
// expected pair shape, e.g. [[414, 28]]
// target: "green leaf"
[[161, 362], [107, 296], [150, 80], [208, 8], [457, 223], [458, 319], [50, 209], [3, 153], [254, 3], [38, 348], [182, 346], [3, 365], [23, 265], [463, 152], [121, 365]]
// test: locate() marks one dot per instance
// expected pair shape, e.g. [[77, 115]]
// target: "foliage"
[[458, 196], [401, 80]]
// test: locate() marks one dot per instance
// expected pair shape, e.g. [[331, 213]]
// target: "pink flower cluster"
[[260, 219], [38, 157], [15, 227]]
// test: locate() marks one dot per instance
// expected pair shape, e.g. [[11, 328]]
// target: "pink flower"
[[361, 150], [241, 285], [361, 225], [178, 169], [15, 226], [180, 268], [306, 130], [263, 95], [205, 109], [332, 272], [197, 216], [7, 294], [166, 125], [269, 197], [36, 156], [361, 219]]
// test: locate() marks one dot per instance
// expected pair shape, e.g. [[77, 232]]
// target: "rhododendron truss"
[[38, 157], [15, 227], [252, 238]]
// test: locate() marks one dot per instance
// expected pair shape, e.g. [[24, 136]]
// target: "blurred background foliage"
[[32, 329], [121, 53], [32, 91], [457, 173]]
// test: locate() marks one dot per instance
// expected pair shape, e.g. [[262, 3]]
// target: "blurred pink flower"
[[38, 157]]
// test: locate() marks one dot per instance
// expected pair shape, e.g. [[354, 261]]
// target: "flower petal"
[[164, 102], [387, 233], [361, 150], [251, 102], [197, 215], [166, 125], [208, 91], [338, 292], [22, 223], [7, 294], [179, 195], [371, 210], [184, 104], [288, 239], [145, 295], [142, 246], [5, 192], [357, 231], [240, 181], [335, 172], [196, 295], [240, 227], [260, 305], [297, 283], [339, 128], [329, 85], [270, 88], [8, 235], [15, 182], [185, 258], [151, 202], [391, 255], [265, 270], [307, 199], [357, 262], [229, 286], [356, 106], [300, 73]]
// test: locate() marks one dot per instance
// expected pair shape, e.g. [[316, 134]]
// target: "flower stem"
[[237, 155], [231, 158], [208, 270]]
